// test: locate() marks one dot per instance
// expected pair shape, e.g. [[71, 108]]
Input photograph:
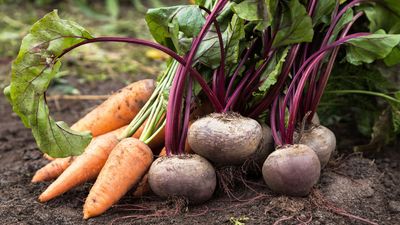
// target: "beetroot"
[[189, 176], [265, 147], [225, 138], [292, 170], [321, 140]]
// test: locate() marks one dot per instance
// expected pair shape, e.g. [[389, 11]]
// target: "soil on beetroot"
[[366, 187]]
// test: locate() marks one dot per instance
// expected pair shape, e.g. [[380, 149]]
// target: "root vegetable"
[[85, 167], [190, 176], [292, 170], [254, 163], [157, 142], [143, 187], [124, 168], [265, 147], [48, 157], [52, 170], [118, 110], [225, 138], [56, 167], [321, 140]]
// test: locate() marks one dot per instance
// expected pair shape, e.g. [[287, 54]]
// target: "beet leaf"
[[32, 72]]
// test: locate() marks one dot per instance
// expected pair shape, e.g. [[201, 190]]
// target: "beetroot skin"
[[225, 138], [321, 140], [292, 170], [189, 176]]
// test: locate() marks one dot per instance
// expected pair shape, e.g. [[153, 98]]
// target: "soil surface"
[[353, 189]]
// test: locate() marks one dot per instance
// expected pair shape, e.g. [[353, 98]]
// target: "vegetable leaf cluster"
[[275, 26]]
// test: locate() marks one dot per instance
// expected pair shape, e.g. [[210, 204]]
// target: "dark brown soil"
[[351, 184]]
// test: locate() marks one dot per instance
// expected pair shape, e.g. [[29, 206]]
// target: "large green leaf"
[[367, 49], [323, 12], [393, 5], [382, 17], [393, 58], [167, 24], [209, 4], [270, 75], [32, 71], [209, 51], [251, 10], [295, 24], [232, 37], [272, 8]]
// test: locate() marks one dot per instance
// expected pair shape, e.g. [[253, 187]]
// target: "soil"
[[352, 187]]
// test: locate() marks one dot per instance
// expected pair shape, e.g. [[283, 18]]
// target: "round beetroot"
[[189, 176], [292, 170], [321, 140], [225, 138]]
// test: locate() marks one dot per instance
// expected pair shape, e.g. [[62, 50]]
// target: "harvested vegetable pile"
[[240, 91]]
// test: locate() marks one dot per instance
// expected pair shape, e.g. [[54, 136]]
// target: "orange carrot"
[[163, 152], [56, 167], [52, 170], [85, 167], [48, 157], [127, 163], [158, 141], [143, 187], [118, 110]]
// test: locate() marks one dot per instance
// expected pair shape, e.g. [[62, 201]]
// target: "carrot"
[[118, 110], [158, 141], [127, 163], [85, 167], [56, 167], [143, 187], [48, 157], [52, 170]]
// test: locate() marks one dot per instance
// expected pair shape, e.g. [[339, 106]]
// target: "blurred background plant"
[[361, 96]]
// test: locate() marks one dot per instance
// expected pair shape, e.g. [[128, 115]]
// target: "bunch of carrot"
[[117, 165]]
